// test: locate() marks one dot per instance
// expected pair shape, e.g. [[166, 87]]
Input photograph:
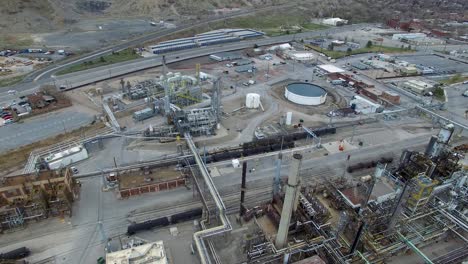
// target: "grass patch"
[[457, 78], [121, 56], [11, 80], [14, 159], [17, 41], [269, 23], [273, 24], [335, 54]]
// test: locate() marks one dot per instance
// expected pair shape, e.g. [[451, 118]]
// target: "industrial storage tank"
[[252, 100], [66, 157], [305, 93]]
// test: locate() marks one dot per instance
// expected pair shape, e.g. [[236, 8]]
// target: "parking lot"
[[439, 64]]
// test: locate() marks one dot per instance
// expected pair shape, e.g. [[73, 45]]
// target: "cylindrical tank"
[[252, 100], [288, 118]]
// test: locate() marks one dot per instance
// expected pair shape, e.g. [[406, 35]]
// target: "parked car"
[[74, 170], [12, 91], [465, 94]]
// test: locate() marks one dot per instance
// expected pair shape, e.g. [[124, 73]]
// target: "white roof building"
[[334, 21], [284, 46], [300, 55], [408, 36], [151, 253], [330, 68], [364, 106]]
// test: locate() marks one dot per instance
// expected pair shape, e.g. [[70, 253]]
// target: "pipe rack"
[[225, 224]]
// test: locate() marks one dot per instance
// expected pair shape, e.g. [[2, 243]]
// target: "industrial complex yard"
[[253, 141]]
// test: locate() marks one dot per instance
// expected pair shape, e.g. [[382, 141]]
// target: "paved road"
[[456, 103], [41, 127]]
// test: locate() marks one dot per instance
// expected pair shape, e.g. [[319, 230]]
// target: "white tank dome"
[[252, 100]]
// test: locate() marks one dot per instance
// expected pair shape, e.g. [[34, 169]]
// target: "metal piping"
[[454, 219], [412, 246], [226, 225]]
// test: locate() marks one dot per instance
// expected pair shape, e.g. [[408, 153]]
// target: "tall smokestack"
[[289, 205]]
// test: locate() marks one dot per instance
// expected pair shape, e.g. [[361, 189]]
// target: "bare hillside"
[[33, 16]]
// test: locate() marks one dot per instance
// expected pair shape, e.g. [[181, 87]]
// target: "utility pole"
[[64, 129], [354, 131]]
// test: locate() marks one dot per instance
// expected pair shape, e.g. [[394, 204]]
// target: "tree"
[[331, 46], [101, 59], [409, 47], [439, 93], [369, 44], [349, 51]]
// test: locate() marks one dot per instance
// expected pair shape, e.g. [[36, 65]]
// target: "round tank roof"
[[306, 89]]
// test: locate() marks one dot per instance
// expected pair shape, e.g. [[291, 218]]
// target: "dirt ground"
[[139, 178], [14, 160], [332, 100]]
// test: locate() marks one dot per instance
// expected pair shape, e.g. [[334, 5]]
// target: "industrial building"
[[418, 86], [225, 56], [245, 68], [36, 196], [329, 68], [426, 41], [242, 62], [299, 55], [140, 181], [362, 105], [385, 98], [408, 36], [205, 39], [409, 70], [334, 21]]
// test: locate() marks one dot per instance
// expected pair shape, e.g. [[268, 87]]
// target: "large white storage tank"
[[252, 100]]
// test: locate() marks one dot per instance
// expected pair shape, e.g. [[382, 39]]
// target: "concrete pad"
[[226, 170], [174, 231], [214, 172], [333, 147]]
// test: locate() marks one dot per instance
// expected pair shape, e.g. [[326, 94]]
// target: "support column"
[[244, 176]]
